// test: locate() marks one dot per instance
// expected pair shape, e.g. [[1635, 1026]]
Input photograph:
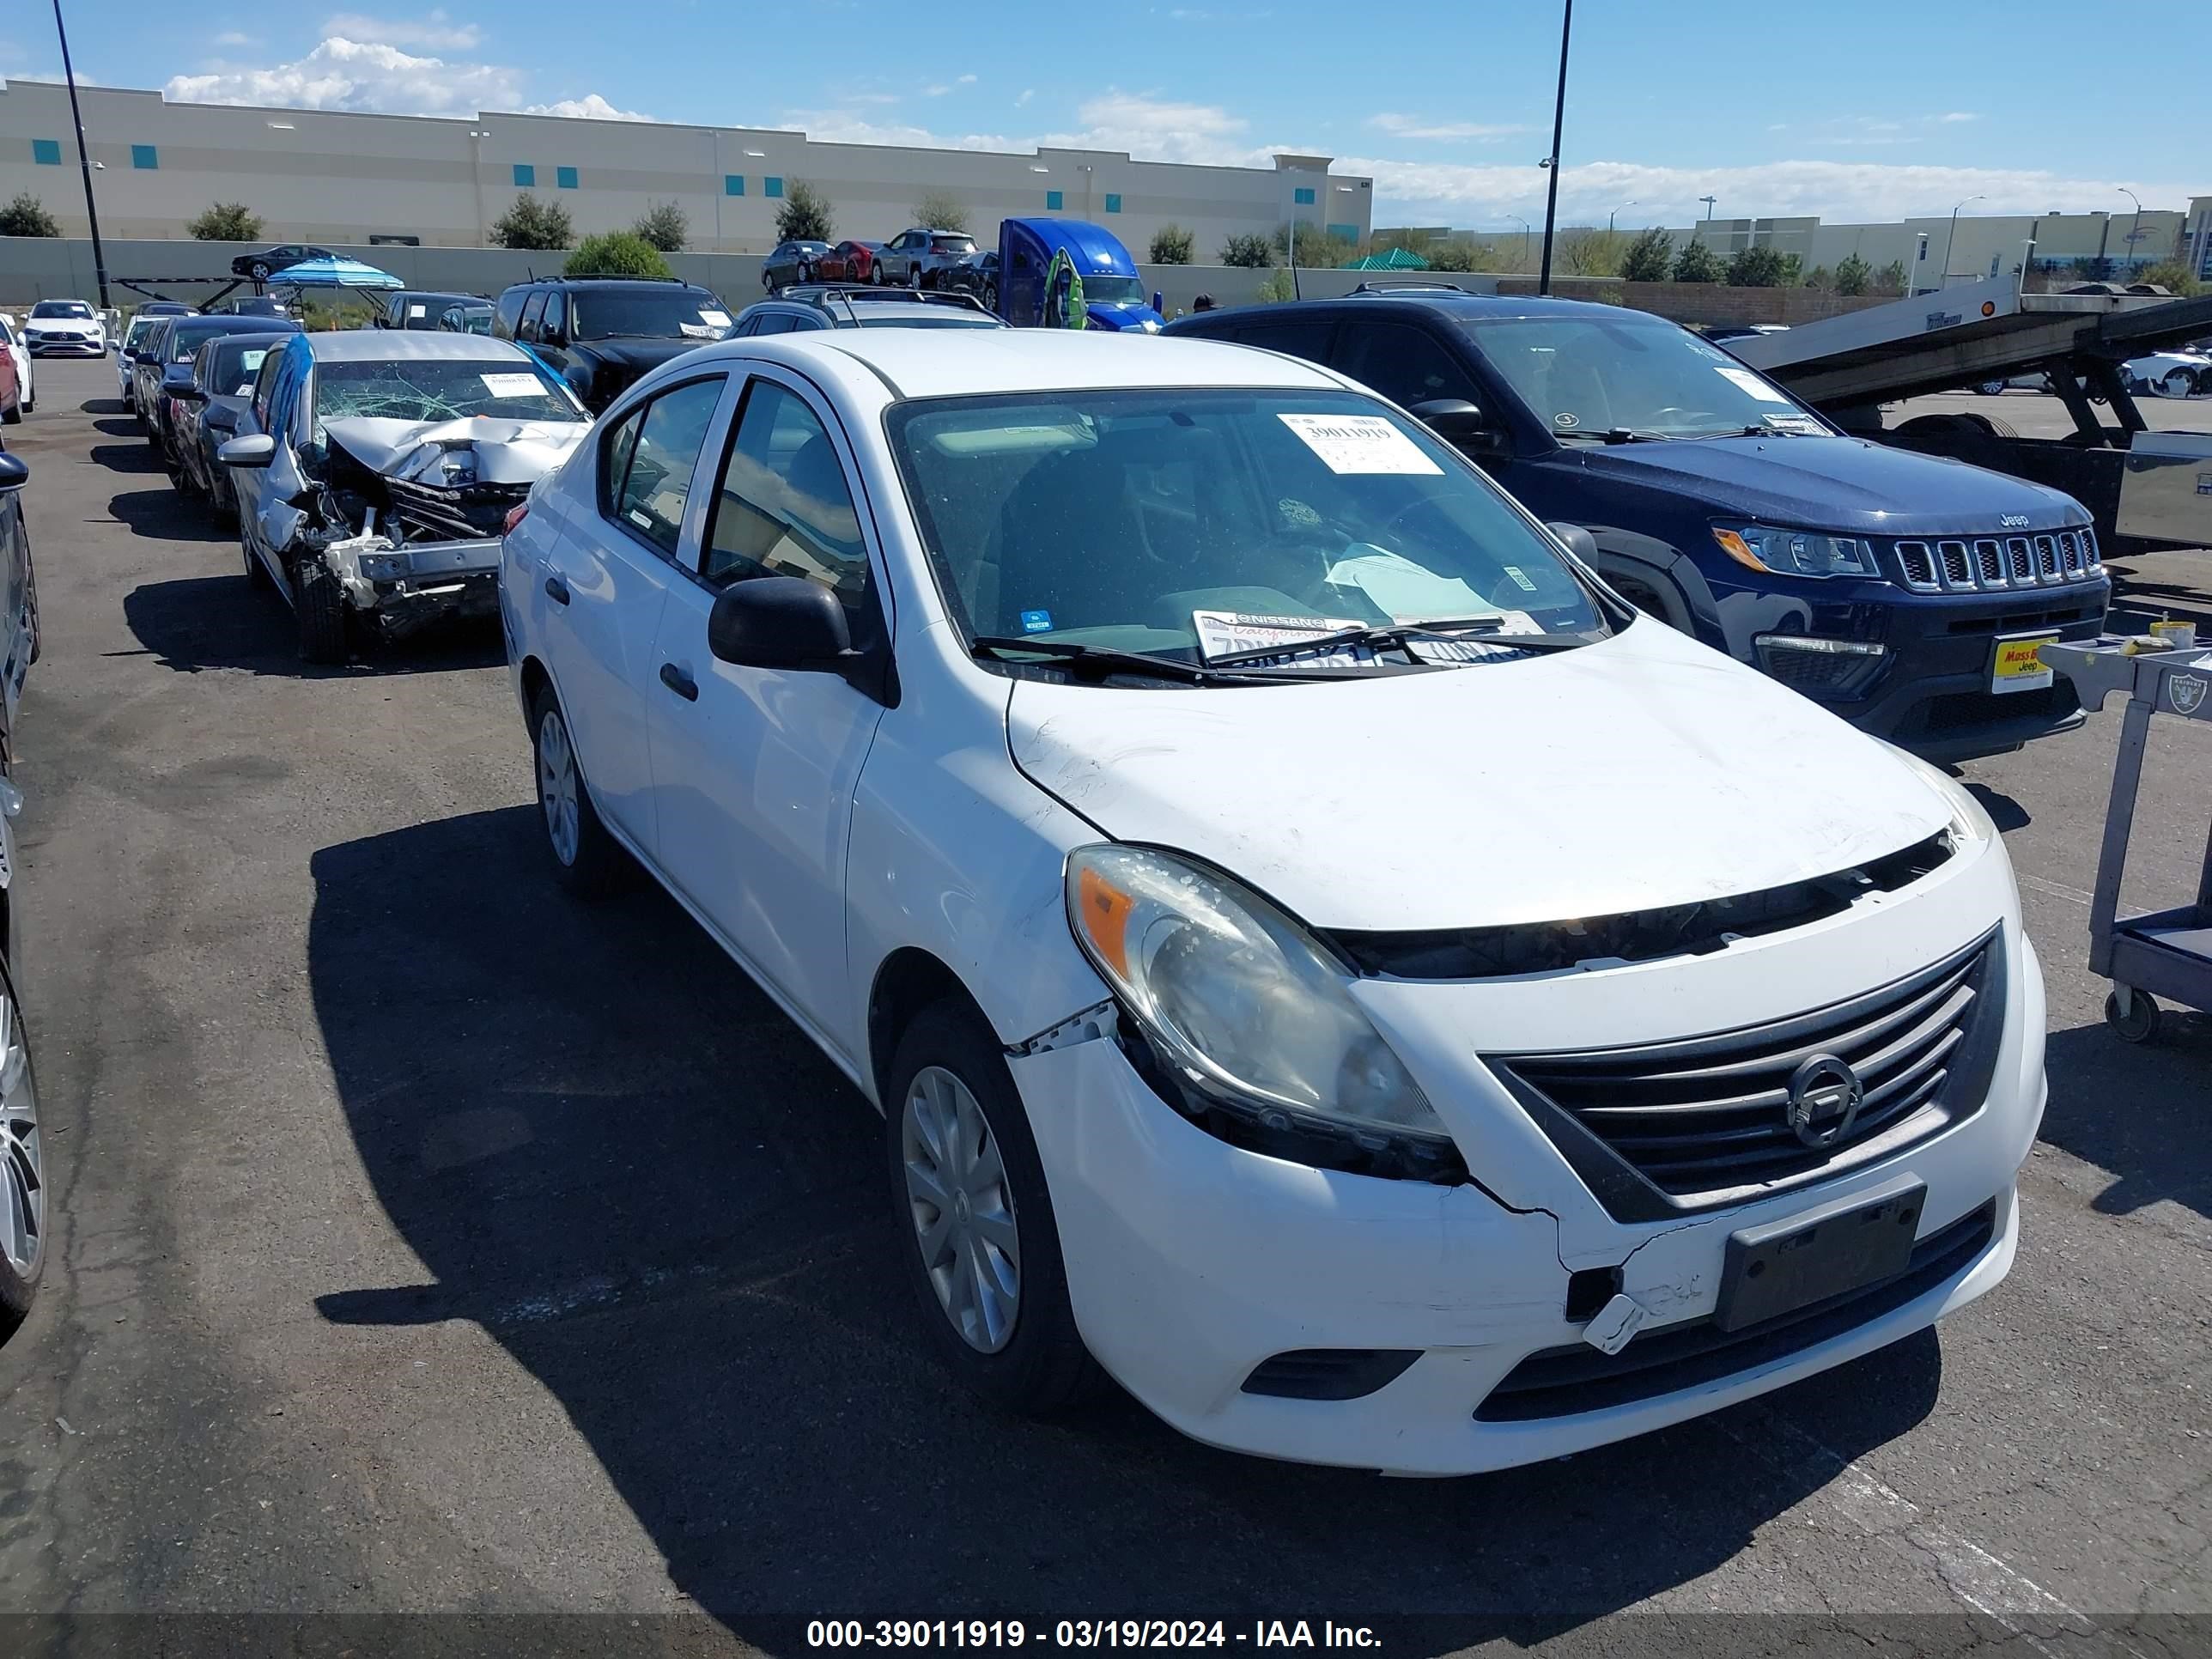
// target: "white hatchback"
[[1321, 957]]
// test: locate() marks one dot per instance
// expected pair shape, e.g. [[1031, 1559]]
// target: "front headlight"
[[1236, 997], [1796, 552]]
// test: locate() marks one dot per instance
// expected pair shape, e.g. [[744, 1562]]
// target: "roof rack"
[[608, 277], [822, 293], [1416, 284]]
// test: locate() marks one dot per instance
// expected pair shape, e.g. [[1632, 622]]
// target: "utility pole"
[[2135, 228], [1552, 162], [1708, 201], [83, 160]]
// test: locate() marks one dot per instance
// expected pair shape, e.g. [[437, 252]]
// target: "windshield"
[[1104, 290], [674, 314], [1585, 376], [1196, 523], [440, 389], [61, 309], [917, 319]]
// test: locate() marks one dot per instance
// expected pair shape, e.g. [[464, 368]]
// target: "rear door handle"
[[679, 682], [556, 590]]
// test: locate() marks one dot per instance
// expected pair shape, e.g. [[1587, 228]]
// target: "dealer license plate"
[[1791, 1264], [2017, 667]]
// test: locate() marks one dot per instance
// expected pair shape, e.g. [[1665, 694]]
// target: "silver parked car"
[[917, 257], [23, 1208]]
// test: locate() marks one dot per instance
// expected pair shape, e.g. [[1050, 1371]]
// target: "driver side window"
[[783, 507]]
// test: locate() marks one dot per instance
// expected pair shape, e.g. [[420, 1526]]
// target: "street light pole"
[[83, 161], [1708, 201], [1523, 223], [1559, 122], [1951, 236], [2135, 227], [1609, 217]]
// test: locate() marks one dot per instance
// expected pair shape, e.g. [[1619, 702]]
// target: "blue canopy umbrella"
[[333, 272]]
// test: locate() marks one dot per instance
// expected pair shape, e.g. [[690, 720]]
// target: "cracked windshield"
[[439, 391], [1200, 526]]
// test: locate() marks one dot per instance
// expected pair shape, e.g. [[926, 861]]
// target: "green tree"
[[1697, 263], [1890, 279], [1247, 252], [27, 215], [227, 221], [1276, 286], [664, 225], [1317, 249], [1591, 253], [1451, 255], [1171, 246], [1755, 267], [940, 210], [804, 215], [617, 253], [1650, 258], [2171, 273], [1819, 277], [531, 223], [1854, 275]]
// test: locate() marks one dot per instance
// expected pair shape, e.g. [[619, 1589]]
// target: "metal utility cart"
[[2166, 952]]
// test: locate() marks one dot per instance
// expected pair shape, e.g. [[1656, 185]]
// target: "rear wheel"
[[977, 1238], [2176, 383], [319, 606], [23, 1208], [587, 860], [12, 414]]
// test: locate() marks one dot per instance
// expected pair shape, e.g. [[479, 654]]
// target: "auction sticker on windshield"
[[1222, 632], [1359, 444], [1747, 381], [513, 386]]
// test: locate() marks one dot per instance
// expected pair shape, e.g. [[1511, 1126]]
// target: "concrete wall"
[[331, 177]]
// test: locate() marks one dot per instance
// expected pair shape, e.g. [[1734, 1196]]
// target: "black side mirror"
[[1452, 417], [14, 472], [176, 382], [221, 420], [780, 622]]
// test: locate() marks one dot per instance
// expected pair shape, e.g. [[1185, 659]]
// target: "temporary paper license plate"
[[2017, 667], [1791, 1264]]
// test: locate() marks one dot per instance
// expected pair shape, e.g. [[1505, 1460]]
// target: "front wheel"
[[23, 1208], [319, 605], [1992, 388], [991, 298], [2176, 383], [978, 1239], [260, 271]]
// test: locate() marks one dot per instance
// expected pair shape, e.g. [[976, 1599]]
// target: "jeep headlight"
[[1796, 552], [1236, 997]]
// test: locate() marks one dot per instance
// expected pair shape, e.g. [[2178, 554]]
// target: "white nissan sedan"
[[1321, 958]]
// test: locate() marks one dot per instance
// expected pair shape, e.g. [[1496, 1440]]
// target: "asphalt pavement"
[[431, 1244]]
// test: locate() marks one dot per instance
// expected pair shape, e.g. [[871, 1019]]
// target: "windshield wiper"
[[1630, 434], [1488, 630], [1106, 659]]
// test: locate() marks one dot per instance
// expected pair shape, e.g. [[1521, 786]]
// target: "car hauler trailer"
[[2146, 490]]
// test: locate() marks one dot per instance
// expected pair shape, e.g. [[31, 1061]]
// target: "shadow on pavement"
[[104, 407], [2137, 1112], [166, 515], [199, 623], [2005, 812], [615, 1155]]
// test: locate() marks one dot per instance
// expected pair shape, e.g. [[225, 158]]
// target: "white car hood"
[[1645, 771], [507, 450]]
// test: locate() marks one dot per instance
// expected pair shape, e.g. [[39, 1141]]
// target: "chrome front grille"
[[1997, 564], [1706, 1120]]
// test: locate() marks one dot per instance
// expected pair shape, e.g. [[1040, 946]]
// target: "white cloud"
[[233, 38], [1413, 126], [1022, 102], [434, 29], [969, 81], [589, 107], [357, 75], [937, 91], [375, 76], [1956, 115]]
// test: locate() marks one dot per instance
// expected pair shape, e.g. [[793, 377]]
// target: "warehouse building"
[[326, 176], [1937, 251]]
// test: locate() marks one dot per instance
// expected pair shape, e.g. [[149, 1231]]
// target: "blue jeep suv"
[[1904, 591]]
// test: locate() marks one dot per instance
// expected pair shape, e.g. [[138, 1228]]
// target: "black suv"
[[1903, 591], [418, 307], [600, 333]]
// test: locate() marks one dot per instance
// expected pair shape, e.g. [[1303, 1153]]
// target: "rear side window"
[[656, 477], [1304, 336], [1406, 365], [783, 508], [509, 311], [526, 330]]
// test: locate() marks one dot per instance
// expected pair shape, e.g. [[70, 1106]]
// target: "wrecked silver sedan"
[[375, 471]]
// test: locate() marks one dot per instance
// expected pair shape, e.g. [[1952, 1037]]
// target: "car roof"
[[380, 345], [230, 322], [642, 285], [943, 362], [1452, 304]]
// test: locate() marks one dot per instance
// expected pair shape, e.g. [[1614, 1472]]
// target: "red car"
[[11, 389], [851, 262]]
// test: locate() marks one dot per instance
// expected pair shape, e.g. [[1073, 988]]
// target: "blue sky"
[[1874, 110]]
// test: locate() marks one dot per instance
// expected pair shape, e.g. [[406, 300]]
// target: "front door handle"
[[556, 590], [676, 680]]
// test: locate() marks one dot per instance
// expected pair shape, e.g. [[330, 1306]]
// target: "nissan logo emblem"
[[1824, 1095]]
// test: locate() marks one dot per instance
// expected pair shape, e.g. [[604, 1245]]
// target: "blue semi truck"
[[1018, 289]]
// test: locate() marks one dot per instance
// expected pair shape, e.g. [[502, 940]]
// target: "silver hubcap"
[[2178, 384], [22, 1179], [556, 786], [962, 1209]]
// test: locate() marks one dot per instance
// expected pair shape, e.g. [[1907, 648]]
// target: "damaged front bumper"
[[399, 589]]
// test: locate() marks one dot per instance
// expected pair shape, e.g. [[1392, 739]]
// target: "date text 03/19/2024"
[[1082, 1633]]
